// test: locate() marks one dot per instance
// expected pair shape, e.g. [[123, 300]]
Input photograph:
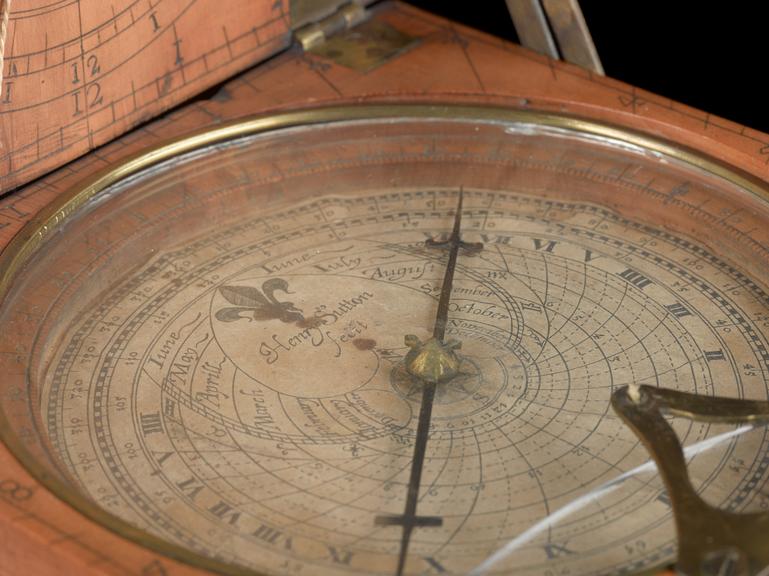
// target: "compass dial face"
[[213, 351]]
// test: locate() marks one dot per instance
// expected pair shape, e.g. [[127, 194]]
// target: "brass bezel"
[[50, 219]]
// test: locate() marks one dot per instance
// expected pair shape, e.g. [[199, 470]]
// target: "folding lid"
[[76, 75]]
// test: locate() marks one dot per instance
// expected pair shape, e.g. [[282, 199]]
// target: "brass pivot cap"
[[432, 360]]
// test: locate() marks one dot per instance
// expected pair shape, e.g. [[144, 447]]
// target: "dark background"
[[710, 54]]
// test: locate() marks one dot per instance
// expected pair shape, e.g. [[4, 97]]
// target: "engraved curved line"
[[595, 494]]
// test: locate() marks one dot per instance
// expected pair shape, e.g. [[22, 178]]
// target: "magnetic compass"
[[428, 331], [385, 340]]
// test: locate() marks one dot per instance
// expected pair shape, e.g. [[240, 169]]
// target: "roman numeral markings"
[[678, 310], [540, 245], [635, 278], [544, 245], [487, 239], [161, 457], [190, 487], [271, 535], [225, 512], [267, 533], [151, 423]]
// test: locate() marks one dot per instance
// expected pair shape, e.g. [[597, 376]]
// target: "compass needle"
[[431, 362]]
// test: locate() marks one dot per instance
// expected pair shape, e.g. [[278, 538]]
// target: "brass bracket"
[[351, 39], [557, 29], [344, 18], [711, 541]]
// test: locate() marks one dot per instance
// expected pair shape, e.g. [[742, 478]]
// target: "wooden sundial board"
[[79, 73], [449, 63]]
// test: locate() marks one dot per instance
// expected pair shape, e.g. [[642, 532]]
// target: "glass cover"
[[213, 350]]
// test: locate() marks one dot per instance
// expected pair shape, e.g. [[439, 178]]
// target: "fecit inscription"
[[314, 331]]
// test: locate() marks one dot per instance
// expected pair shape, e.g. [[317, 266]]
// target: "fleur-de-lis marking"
[[253, 304]]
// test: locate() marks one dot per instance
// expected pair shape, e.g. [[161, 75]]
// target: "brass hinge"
[[349, 15]]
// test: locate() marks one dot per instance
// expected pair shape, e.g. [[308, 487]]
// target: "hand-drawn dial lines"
[[191, 425]]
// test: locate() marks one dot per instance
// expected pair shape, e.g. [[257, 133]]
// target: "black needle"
[[409, 515], [455, 242], [439, 364]]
